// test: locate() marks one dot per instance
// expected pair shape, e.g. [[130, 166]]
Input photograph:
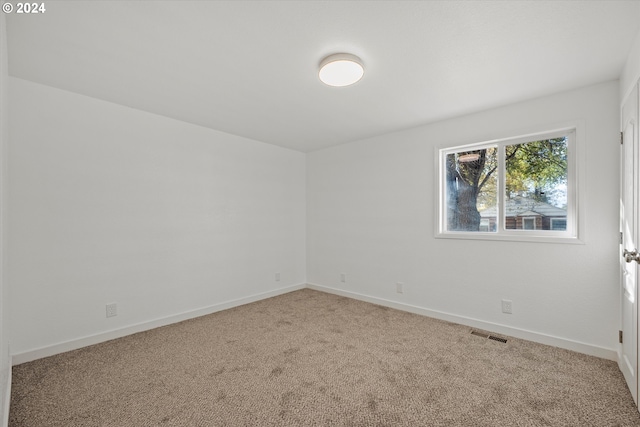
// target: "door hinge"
[[621, 138], [621, 238], [620, 336]]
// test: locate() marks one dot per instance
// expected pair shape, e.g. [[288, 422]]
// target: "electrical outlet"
[[277, 277], [343, 277], [507, 306], [112, 310], [400, 287]]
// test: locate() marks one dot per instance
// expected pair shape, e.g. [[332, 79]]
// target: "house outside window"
[[522, 213]]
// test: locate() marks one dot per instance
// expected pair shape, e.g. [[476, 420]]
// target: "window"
[[520, 188], [558, 223], [528, 223]]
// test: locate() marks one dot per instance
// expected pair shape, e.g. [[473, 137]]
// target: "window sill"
[[510, 237]]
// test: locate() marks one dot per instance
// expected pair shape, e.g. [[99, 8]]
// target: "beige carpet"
[[309, 358]]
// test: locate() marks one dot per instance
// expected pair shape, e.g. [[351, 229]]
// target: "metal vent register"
[[491, 337]]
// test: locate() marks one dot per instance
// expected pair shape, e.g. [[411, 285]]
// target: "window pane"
[[559, 224], [536, 185], [471, 193]]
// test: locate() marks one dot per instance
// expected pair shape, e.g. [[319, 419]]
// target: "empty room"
[[319, 213]]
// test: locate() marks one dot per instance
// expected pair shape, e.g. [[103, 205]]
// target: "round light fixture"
[[341, 69]]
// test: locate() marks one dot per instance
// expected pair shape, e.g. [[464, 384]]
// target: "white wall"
[[111, 204], [631, 71], [5, 358], [370, 214]]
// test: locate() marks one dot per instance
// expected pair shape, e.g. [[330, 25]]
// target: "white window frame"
[[573, 234]]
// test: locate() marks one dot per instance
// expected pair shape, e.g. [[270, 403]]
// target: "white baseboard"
[[592, 350], [75, 344]]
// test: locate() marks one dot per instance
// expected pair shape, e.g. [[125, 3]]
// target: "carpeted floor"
[[309, 358]]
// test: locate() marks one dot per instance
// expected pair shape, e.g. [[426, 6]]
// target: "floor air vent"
[[491, 337]]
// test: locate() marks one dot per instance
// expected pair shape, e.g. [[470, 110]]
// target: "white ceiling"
[[250, 68]]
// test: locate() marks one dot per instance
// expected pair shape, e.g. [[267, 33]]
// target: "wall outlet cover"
[[507, 306], [112, 310]]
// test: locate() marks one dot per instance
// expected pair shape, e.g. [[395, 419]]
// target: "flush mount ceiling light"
[[341, 69]]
